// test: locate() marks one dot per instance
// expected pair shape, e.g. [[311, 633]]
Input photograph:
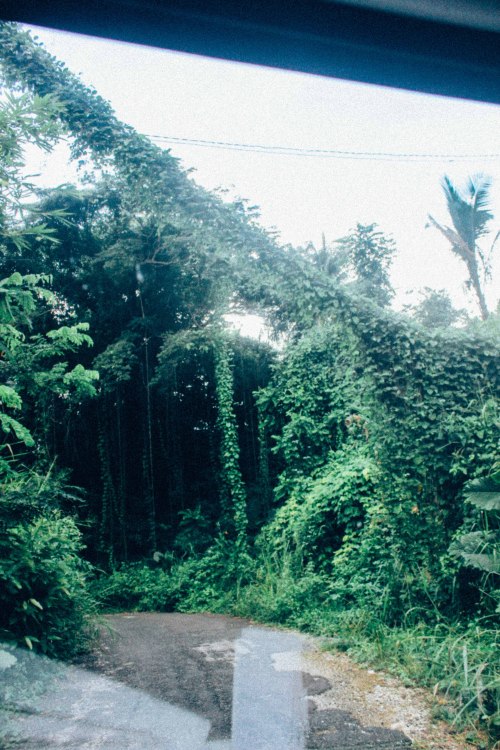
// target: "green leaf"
[[71, 335], [482, 561], [9, 398], [485, 500], [14, 279], [9, 424], [483, 494]]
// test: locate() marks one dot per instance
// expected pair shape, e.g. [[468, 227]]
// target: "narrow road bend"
[[190, 682]]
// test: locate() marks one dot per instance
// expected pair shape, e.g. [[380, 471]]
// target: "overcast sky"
[[186, 96]]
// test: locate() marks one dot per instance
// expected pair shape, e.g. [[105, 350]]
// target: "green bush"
[[143, 587], [44, 600], [165, 584], [281, 590]]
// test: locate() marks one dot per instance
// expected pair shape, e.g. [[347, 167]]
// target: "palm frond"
[[488, 256], [479, 187], [460, 210]]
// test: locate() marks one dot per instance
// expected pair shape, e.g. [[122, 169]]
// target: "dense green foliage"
[[345, 482], [45, 600], [43, 590]]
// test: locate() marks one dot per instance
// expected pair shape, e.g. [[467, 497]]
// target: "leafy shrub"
[[285, 600], [32, 491], [216, 578], [281, 589], [165, 584], [44, 599], [330, 507], [143, 587], [195, 533]]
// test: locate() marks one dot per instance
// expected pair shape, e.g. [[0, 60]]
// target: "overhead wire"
[[330, 153]]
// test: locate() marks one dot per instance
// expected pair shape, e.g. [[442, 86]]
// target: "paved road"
[[180, 682]]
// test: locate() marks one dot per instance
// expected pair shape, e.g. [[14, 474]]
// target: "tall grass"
[[459, 663]]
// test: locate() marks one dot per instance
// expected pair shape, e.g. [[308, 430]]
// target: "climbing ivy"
[[234, 511]]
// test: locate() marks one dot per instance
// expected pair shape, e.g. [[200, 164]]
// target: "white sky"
[[173, 94]]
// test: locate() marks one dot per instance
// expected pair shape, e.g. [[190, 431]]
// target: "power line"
[[319, 152]]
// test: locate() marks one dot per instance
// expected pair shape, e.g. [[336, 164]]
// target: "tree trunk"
[[474, 278]]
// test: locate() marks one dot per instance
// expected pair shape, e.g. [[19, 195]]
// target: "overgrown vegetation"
[[347, 484]]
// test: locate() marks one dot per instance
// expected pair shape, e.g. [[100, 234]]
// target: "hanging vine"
[[234, 501]]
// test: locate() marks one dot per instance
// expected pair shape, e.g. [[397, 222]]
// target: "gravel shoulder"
[[379, 699]]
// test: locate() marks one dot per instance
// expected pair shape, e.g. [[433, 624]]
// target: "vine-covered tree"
[[141, 262]]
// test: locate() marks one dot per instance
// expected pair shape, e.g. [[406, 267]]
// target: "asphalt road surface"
[[179, 682]]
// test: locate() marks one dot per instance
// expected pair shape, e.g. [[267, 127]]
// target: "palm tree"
[[470, 215]]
